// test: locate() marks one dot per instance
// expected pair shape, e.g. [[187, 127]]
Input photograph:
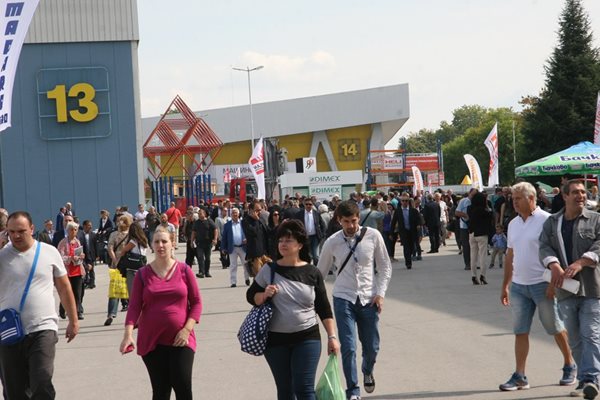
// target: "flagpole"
[[514, 146]]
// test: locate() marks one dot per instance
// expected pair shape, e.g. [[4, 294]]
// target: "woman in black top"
[[480, 223], [274, 221], [298, 295]]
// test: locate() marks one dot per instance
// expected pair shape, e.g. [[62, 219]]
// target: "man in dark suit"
[[105, 227], [60, 218], [432, 214], [257, 248], [406, 222], [61, 232], [315, 227], [87, 238], [47, 234]]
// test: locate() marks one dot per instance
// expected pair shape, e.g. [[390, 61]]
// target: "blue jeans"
[[313, 242], [524, 299], [294, 368], [351, 317], [582, 319]]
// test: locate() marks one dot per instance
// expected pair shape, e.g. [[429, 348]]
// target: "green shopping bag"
[[330, 385]]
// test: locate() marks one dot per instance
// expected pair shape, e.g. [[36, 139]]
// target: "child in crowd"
[[499, 246]]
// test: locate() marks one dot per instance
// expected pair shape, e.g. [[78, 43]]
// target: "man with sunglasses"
[[405, 222], [315, 227]]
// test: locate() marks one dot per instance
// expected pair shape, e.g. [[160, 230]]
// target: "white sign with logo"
[[322, 192]]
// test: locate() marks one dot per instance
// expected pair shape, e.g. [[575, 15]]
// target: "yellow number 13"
[[86, 102]]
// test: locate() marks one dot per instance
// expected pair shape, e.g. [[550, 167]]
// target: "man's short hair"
[[567, 186], [525, 188], [18, 214], [48, 220], [374, 202], [347, 209]]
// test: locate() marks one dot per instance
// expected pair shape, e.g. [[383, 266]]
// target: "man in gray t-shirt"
[[27, 366]]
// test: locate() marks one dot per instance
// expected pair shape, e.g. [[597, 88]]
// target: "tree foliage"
[[465, 134], [472, 142], [563, 113]]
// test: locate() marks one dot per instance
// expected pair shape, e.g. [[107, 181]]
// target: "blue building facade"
[[75, 134]]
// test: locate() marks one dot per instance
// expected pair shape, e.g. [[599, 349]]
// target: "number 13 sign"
[[74, 103]]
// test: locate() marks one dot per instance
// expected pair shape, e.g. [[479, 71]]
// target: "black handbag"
[[132, 261]]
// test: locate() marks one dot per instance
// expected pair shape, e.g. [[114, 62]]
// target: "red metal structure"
[[181, 133]]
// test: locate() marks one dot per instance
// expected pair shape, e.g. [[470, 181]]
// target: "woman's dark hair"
[[478, 200], [295, 229], [136, 233]]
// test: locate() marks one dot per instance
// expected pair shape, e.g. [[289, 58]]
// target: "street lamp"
[[248, 70]]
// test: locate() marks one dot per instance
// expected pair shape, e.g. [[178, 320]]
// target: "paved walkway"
[[441, 337]]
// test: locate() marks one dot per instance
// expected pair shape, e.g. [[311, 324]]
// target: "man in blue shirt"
[[233, 242]]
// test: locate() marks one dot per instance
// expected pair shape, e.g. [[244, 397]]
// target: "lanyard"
[[352, 248]]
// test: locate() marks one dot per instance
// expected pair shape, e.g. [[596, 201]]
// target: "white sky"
[[451, 53]]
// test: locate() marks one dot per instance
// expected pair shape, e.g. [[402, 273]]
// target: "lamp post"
[[248, 70]]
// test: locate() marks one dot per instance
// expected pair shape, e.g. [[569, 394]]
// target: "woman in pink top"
[[165, 305]]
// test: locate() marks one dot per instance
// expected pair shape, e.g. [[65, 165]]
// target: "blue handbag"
[[255, 328], [11, 328]]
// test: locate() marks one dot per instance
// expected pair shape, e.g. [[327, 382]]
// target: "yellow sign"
[[86, 102]]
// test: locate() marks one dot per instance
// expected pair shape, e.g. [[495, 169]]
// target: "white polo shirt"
[[524, 240]]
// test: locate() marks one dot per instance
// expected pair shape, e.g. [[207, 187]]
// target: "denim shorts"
[[524, 299]]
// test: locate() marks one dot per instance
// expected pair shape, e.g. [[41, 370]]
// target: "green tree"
[[423, 141], [472, 142], [563, 113]]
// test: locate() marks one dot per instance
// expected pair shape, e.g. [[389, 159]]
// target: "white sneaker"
[[355, 397]]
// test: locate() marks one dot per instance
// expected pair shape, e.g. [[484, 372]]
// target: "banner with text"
[[418, 178], [257, 163], [491, 142], [474, 172], [15, 18]]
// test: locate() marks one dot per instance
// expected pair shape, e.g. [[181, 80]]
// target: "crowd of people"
[[285, 250]]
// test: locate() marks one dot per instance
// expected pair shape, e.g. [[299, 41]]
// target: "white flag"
[[474, 172], [597, 123], [257, 164], [491, 142], [418, 178], [14, 20]]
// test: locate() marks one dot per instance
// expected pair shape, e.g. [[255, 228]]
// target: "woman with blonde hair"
[[72, 254], [116, 242]]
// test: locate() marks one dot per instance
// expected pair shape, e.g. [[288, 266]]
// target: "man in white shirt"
[[528, 289], [27, 366], [357, 293], [140, 216]]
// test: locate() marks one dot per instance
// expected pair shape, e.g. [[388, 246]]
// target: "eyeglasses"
[[274, 214], [404, 201]]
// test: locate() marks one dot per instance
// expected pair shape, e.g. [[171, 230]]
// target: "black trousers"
[[203, 254], [190, 253], [28, 366], [466, 247], [170, 368], [408, 245], [434, 237], [77, 288]]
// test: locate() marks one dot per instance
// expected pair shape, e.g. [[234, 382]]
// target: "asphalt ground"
[[441, 337]]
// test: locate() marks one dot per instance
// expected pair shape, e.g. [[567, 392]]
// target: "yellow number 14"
[[59, 94]]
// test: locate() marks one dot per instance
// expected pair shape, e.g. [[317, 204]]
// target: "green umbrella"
[[582, 158]]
